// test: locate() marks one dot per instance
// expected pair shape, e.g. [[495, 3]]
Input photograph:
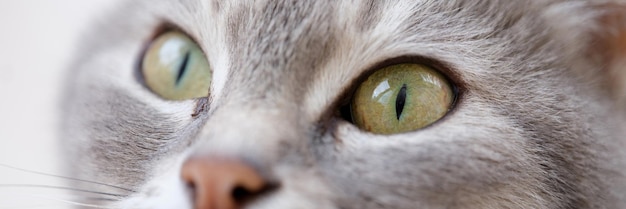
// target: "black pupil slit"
[[182, 68], [400, 99]]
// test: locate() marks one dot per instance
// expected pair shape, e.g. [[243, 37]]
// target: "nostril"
[[191, 185], [222, 184], [243, 195]]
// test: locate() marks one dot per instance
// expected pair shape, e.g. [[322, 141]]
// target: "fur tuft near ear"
[[608, 47], [614, 38], [594, 38]]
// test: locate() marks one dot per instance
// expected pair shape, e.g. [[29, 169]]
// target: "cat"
[[284, 111]]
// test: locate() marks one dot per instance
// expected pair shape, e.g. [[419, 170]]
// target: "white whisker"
[[64, 177], [58, 200], [58, 187], [23, 207]]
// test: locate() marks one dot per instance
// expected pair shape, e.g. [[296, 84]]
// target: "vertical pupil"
[[182, 68], [400, 99]]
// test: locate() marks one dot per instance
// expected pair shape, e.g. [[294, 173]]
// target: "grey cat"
[[350, 104]]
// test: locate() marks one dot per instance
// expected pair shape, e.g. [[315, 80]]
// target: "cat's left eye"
[[401, 98], [175, 68]]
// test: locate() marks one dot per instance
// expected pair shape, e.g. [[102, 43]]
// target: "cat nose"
[[222, 183]]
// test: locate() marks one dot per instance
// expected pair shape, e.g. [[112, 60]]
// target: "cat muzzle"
[[222, 183]]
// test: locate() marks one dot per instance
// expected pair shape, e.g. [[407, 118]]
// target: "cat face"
[[529, 126]]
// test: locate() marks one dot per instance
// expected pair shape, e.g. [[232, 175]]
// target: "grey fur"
[[533, 127]]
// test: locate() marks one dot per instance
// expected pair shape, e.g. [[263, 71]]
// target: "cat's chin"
[[172, 194], [166, 190]]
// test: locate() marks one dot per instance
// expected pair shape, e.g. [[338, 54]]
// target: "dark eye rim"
[[342, 106], [158, 31], [161, 29]]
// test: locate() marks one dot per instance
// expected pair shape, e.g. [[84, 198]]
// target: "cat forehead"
[[310, 51], [284, 44]]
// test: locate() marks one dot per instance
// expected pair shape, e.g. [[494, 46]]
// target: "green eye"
[[175, 68], [401, 98]]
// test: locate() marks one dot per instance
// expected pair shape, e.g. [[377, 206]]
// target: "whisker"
[[99, 199], [42, 205], [69, 196], [67, 178], [23, 207], [59, 187], [72, 202]]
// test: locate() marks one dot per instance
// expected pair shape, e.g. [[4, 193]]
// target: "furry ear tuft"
[[594, 39], [614, 38]]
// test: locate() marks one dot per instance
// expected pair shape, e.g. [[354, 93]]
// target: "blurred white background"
[[37, 38]]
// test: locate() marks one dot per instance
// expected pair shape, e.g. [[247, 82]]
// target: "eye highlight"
[[401, 98], [175, 68]]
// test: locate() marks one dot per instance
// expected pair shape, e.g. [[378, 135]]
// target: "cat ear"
[[594, 37]]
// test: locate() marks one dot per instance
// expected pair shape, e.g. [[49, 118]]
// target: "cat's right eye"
[[175, 68]]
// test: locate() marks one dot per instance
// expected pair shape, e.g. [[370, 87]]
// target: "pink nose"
[[221, 183]]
